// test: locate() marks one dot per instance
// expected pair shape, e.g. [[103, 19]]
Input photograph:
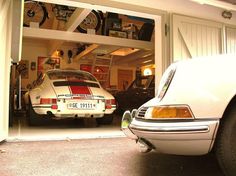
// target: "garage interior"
[[180, 33], [119, 49]]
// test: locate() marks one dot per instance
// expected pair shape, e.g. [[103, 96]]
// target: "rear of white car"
[[63, 94], [193, 97]]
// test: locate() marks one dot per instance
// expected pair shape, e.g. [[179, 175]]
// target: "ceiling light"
[[124, 51]]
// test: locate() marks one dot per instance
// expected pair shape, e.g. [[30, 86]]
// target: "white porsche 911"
[[68, 93], [193, 113]]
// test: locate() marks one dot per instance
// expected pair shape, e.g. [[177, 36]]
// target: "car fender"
[[205, 85]]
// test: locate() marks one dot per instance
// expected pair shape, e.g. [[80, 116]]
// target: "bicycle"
[[37, 12]]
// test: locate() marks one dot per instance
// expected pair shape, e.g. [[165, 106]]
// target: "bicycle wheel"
[[92, 21], [34, 12]]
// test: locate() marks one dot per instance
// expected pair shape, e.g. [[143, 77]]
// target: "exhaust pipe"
[[144, 146]]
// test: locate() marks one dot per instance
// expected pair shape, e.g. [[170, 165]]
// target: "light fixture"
[[147, 71], [124, 51], [227, 14]]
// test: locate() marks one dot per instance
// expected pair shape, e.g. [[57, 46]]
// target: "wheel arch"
[[229, 106]]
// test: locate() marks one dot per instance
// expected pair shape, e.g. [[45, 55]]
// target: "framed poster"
[[48, 63]]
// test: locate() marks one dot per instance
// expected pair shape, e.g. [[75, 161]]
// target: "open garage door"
[[194, 37], [5, 35], [230, 40]]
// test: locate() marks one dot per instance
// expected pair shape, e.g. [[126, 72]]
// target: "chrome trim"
[[200, 128], [197, 126]]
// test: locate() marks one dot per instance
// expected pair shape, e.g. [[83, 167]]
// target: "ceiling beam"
[[76, 18], [132, 57], [85, 52], [85, 38]]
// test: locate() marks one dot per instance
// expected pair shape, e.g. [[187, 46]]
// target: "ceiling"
[[124, 51], [223, 4], [229, 1]]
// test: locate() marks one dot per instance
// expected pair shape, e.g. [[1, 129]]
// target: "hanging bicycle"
[[37, 12], [34, 12]]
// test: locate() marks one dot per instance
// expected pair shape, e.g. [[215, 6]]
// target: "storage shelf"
[[85, 38]]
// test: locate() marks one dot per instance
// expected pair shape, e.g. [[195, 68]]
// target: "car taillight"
[[51, 101], [48, 101], [110, 103]]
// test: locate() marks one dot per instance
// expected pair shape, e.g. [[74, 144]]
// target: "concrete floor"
[[66, 129]]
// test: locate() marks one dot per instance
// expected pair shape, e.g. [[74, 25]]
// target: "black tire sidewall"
[[45, 14], [225, 149], [98, 22]]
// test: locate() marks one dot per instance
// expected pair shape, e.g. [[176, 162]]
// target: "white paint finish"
[[84, 38], [207, 98], [5, 61], [195, 37], [217, 3], [76, 18], [159, 44], [186, 7], [17, 27], [231, 40]]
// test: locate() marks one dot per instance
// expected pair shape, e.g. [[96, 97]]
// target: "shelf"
[[85, 38]]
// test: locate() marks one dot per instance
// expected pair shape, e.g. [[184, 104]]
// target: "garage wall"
[[32, 49], [5, 61], [114, 73], [193, 37]]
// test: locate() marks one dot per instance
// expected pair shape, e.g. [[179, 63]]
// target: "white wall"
[[5, 62]]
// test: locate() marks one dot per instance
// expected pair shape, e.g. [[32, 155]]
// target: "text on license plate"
[[83, 105]]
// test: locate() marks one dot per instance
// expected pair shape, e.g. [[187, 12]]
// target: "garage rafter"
[[134, 57], [77, 17], [85, 38]]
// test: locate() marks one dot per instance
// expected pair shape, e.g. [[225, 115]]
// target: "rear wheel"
[[106, 120], [226, 144], [33, 118]]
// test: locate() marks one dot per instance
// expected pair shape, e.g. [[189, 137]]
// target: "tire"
[[226, 143], [34, 12], [106, 120], [92, 21], [33, 118]]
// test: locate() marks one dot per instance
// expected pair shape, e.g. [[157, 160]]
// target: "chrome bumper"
[[180, 137]]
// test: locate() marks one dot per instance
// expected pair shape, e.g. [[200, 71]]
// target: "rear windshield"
[[71, 83], [70, 75]]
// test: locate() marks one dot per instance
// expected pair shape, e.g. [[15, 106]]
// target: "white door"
[[5, 50], [193, 37], [230, 40]]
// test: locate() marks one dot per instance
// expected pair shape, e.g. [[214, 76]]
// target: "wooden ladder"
[[101, 69]]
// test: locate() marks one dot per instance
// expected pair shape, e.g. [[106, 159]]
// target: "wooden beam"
[[87, 51], [85, 38], [135, 56], [76, 18]]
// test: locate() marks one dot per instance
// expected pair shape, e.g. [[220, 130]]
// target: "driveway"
[[85, 157]]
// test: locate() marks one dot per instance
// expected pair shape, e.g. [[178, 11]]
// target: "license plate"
[[82, 105]]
